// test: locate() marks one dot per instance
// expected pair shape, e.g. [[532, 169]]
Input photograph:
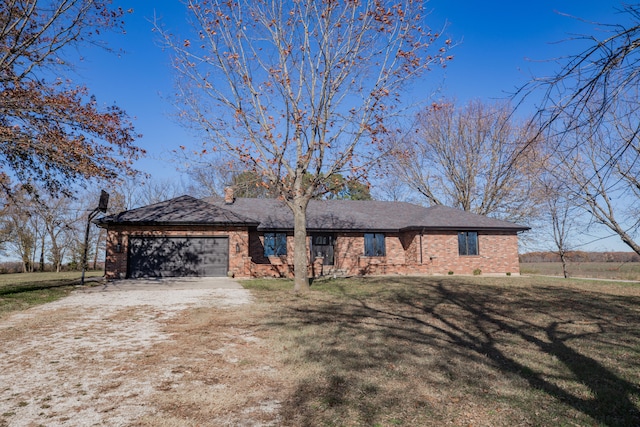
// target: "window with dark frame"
[[275, 244], [374, 244], [322, 240], [468, 243]]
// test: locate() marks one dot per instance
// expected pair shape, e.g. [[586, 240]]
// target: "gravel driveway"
[[65, 363]]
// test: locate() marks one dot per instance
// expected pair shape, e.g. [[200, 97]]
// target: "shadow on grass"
[[8, 290], [47, 284], [402, 354]]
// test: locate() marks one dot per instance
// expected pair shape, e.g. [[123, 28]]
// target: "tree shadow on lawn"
[[398, 355]]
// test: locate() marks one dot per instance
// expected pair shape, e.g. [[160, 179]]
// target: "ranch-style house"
[[244, 237]]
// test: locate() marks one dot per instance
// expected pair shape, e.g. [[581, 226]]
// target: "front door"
[[322, 245]]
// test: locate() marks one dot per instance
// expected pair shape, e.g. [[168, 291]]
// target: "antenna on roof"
[[102, 207]]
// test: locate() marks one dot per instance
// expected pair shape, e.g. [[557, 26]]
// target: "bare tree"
[[609, 193], [78, 213], [6, 227], [391, 189], [592, 83], [291, 89], [560, 214], [59, 224], [477, 158], [156, 190], [208, 179], [589, 110], [23, 237], [36, 224], [250, 184], [123, 195], [39, 227]]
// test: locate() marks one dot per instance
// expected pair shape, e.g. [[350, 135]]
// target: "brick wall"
[[429, 253], [498, 253], [350, 258], [406, 253]]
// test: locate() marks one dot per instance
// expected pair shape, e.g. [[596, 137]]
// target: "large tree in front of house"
[[297, 90]]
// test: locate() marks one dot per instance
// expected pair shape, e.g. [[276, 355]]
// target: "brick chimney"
[[228, 196]]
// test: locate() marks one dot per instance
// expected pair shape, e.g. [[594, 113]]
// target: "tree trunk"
[[563, 259], [101, 235], [57, 258], [42, 253], [59, 265], [626, 238], [32, 258], [300, 253]]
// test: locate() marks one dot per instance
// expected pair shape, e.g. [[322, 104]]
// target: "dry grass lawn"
[[30, 280], [389, 351], [221, 372], [456, 351], [23, 290]]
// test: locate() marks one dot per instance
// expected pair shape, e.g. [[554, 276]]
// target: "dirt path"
[[136, 357]]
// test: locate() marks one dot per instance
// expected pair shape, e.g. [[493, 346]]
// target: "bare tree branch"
[[294, 89], [475, 158]]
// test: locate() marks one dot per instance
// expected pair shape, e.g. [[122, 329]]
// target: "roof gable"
[[180, 210]]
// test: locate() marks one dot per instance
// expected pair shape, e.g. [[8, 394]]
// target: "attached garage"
[[177, 256]]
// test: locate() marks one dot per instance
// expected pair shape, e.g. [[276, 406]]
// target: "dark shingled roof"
[[334, 215], [273, 214], [181, 210]]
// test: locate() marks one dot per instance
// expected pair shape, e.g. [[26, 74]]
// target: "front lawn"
[[455, 351], [23, 290]]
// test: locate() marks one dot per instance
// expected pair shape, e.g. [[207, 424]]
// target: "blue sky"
[[504, 43], [500, 46]]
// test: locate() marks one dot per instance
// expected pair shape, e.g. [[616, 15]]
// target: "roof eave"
[[331, 230], [107, 224], [463, 228]]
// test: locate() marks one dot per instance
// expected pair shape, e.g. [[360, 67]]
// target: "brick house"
[[254, 238]]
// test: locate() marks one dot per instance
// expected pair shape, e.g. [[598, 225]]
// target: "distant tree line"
[[580, 256], [46, 233]]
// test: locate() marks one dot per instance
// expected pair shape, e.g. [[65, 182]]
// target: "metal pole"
[[86, 244], [102, 207]]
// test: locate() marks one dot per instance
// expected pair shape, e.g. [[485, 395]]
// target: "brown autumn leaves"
[[52, 132]]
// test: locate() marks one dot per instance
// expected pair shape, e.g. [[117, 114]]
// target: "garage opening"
[[178, 256]]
